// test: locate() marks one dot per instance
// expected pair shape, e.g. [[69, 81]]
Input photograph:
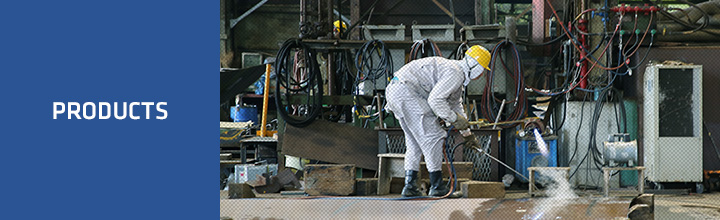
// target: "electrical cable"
[[623, 51], [370, 69], [373, 62], [592, 146], [573, 39], [632, 34], [577, 133], [303, 78], [346, 83], [346, 34], [596, 62], [623, 112], [687, 24], [647, 51], [592, 143], [555, 125], [573, 86], [554, 40]]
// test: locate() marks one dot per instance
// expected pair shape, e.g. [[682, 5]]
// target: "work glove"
[[471, 142], [461, 123]]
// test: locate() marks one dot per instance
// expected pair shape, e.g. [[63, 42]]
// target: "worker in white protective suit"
[[423, 91]]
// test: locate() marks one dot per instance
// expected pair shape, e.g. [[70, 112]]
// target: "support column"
[[540, 13], [223, 29], [330, 20], [354, 17], [488, 12]]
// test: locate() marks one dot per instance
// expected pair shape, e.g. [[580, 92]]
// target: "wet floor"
[[693, 206], [375, 208]]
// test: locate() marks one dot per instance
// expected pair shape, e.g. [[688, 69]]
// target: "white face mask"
[[474, 70]]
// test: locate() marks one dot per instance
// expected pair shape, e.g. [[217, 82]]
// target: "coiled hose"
[[373, 61], [298, 74], [490, 102]]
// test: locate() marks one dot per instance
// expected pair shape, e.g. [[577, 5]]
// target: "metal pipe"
[[502, 105], [266, 95], [357, 22], [330, 19], [381, 123], [448, 13], [511, 29], [233, 22], [709, 7], [331, 73], [511, 169], [487, 146], [697, 36], [475, 112], [345, 19], [583, 42], [319, 12], [303, 13]]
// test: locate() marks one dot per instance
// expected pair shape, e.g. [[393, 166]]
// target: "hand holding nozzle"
[[471, 141]]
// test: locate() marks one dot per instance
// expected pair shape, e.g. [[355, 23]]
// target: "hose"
[[488, 99], [700, 27], [298, 74], [368, 68], [420, 49], [460, 51], [346, 79], [373, 63]]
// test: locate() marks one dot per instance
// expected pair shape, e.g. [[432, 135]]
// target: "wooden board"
[[329, 179], [240, 190], [462, 170], [334, 143], [389, 166], [481, 189], [366, 186], [396, 185]]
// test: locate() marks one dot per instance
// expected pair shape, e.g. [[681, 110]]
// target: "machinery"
[[336, 66], [619, 150], [528, 153], [673, 140]]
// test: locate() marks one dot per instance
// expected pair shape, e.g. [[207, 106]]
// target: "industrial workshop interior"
[[484, 109]]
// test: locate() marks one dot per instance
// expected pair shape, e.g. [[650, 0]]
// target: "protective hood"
[[472, 69]]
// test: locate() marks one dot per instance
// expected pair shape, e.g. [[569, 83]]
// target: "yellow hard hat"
[[337, 24], [480, 54]]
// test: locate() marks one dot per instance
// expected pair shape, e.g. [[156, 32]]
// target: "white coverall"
[[421, 92]]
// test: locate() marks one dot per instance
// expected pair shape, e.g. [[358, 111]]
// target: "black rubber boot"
[[411, 189], [437, 188]]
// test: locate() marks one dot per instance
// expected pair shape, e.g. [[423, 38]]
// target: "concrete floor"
[[516, 205], [693, 206], [373, 208]]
